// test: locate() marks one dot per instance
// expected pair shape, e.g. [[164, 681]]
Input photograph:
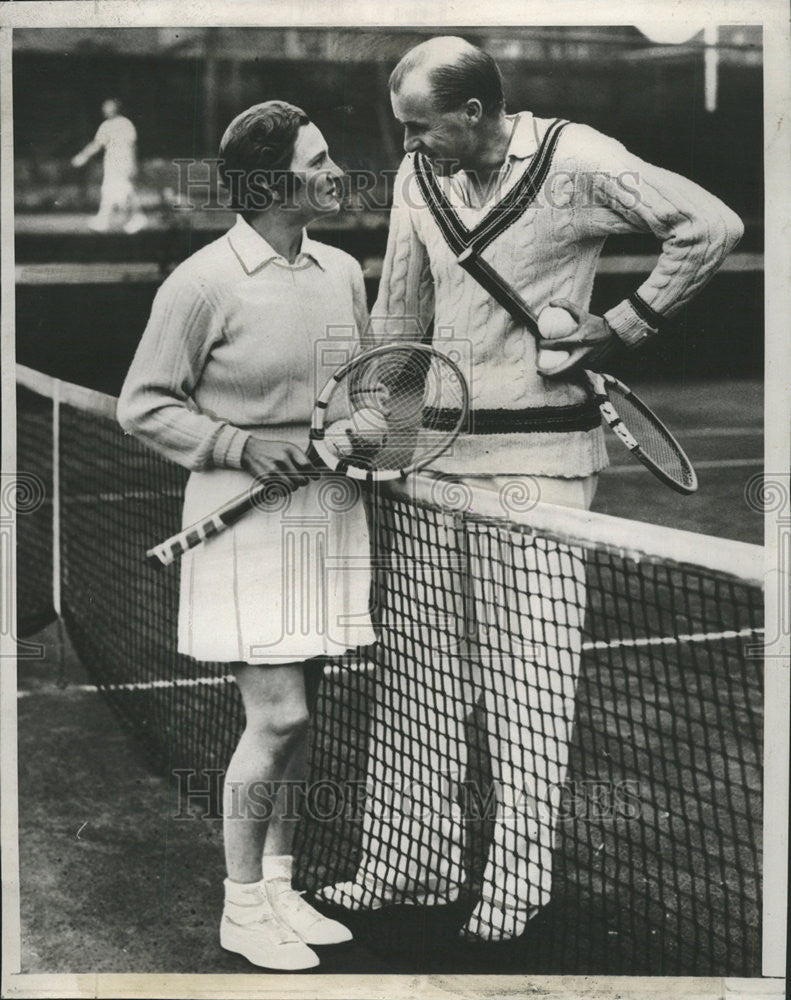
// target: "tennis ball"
[[371, 426], [554, 323], [552, 359], [337, 440]]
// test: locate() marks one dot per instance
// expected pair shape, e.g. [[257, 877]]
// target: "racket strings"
[[396, 409], [656, 443]]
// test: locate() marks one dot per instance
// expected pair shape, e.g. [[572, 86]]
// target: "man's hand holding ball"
[[554, 323], [571, 338]]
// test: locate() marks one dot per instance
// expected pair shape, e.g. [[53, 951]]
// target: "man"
[[118, 138], [538, 198]]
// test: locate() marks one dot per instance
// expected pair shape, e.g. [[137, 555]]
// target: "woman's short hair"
[[469, 73], [256, 152]]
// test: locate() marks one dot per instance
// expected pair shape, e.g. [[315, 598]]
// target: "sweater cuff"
[[625, 322], [228, 448]]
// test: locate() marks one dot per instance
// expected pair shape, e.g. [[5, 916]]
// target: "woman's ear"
[[259, 189]]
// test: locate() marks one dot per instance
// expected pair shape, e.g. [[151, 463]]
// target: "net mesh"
[[548, 735]]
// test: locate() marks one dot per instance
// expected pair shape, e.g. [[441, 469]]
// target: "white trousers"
[[522, 607], [118, 197]]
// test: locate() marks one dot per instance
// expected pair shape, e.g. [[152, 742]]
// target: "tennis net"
[[562, 712]]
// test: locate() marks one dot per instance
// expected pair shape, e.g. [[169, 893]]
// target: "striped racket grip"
[[168, 551], [617, 426]]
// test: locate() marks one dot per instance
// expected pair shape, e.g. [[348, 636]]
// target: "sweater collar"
[[253, 251], [522, 146], [524, 138]]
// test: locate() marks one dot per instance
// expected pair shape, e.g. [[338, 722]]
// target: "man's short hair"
[[256, 152], [472, 73]]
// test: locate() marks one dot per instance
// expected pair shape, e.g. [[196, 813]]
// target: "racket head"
[[389, 411], [642, 432]]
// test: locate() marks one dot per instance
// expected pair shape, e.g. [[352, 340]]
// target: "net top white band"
[[636, 539], [68, 394]]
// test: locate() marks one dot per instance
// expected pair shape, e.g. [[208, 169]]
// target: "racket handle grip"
[[168, 551], [154, 560]]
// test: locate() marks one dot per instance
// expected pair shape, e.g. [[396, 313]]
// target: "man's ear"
[[473, 110]]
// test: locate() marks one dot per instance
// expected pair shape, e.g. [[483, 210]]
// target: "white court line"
[[87, 273], [68, 273], [368, 667], [83, 498], [183, 682], [671, 640], [624, 264], [704, 432], [725, 463], [179, 682], [629, 263]]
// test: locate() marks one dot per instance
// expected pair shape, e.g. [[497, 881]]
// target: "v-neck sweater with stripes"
[[591, 188]]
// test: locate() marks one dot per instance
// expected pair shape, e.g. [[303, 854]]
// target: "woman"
[[240, 338]]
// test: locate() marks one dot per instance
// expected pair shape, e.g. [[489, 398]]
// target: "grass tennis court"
[[104, 782]]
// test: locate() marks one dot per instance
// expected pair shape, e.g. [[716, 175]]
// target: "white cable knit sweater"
[[595, 187]]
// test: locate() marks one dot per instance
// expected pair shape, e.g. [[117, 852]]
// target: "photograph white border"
[[442, 14]]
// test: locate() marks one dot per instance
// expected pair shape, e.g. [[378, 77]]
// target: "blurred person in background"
[[117, 136], [566, 187], [223, 382]]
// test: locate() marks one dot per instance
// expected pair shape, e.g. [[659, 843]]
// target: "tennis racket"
[[632, 421], [388, 412]]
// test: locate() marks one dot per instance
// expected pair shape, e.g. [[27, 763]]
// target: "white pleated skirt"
[[285, 583]]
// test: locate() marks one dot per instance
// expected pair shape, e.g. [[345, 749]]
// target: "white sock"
[[278, 867], [241, 893]]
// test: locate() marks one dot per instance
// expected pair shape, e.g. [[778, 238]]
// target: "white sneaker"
[[512, 892], [423, 867], [366, 892], [313, 927], [489, 922], [98, 225], [253, 929]]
